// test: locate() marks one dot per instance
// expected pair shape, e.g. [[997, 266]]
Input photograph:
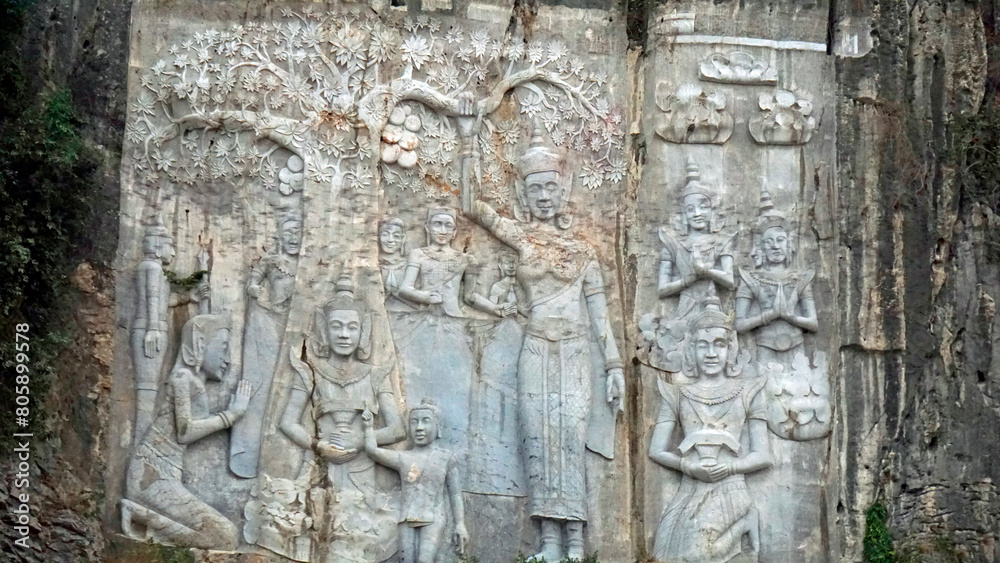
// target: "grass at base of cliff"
[[878, 546]]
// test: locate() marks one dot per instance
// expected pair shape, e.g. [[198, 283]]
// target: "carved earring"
[[364, 350]]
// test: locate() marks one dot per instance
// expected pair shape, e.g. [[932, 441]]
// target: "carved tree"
[[324, 85]]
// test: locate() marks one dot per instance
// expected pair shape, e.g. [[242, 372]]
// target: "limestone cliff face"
[[914, 216], [918, 361]]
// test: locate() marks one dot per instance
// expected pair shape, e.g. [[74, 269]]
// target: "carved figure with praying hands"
[[696, 260], [156, 504], [563, 285], [430, 481], [716, 411], [775, 302]]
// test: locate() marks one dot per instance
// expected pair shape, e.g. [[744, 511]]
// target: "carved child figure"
[[149, 328], [429, 474], [504, 291], [155, 495]]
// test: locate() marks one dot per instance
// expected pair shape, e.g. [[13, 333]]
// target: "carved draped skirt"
[[554, 396], [705, 522]]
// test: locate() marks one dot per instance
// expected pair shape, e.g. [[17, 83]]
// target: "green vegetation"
[[878, 546], [185, 283], [48, 174]]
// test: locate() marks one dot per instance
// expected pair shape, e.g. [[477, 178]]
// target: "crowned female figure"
[[566, 311], [355, 519], [694, 261], [723, 424], [392, 262], [270, 288], [434, 342], [774, 300]]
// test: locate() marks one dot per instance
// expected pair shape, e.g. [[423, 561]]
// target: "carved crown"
[[711, 316], [693, 185], [540, 156], [769, 216]]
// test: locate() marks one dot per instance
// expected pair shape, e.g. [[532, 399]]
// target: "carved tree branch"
[[263, 127]]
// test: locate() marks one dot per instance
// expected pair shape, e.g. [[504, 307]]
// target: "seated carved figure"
[[711, 512], [429, 474], [157, 505], [353, 522]]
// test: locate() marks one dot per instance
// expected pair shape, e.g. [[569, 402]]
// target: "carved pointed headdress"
[[540, 156], [693, 185], [155, 228], [768, 216], [449, 211]]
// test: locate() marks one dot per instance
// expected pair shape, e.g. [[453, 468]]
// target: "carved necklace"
[[700, 394]]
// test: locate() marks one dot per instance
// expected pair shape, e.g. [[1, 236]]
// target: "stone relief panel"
[[735, 271], [737, 67], [395, 211], [692, 115]]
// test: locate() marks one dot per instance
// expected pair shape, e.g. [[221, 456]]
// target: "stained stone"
[[445, 312]]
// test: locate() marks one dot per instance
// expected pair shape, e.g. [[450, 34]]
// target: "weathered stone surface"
[[891, 239]]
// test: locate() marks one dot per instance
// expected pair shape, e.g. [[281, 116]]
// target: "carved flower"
[[135, 132], [556, 50], [144, 104], [190, 139], [252, 80], [591, 175], [383, 44], [453, 36], [348, 47], [616, 169], [515, 50], [480, 42], [509, 132], [535, 53], [448, 77], [415, 51], [531, 104]]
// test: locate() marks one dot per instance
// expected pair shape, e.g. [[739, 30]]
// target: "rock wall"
[[880, 177]]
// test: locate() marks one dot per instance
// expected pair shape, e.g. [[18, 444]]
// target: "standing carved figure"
[[430, 478], [434, 343], [716, 411], [693, 264], [270, 289], [775, 301], [392, 263], [155, 496], [355, 524], [149, 327], [566, 308]]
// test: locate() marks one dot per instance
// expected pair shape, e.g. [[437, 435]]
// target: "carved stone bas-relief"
[[775, 302], [430, 480], [737, 67], [784, 119], [696, 261], [434, 213], [157, 504], [722, 418], [692, 115]]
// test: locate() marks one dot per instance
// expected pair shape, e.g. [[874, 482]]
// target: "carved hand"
[[240, 400], [367, 420], [152, 343], [693, 468], [461, 538], [204, 290], [253, 290], [435, 298], [335, 454], [616, 389], [719, 471], [699, 267], [788, 312], [467, 117], [505, 309]]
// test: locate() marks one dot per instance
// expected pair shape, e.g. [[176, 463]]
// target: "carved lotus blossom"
[[415, 51]]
